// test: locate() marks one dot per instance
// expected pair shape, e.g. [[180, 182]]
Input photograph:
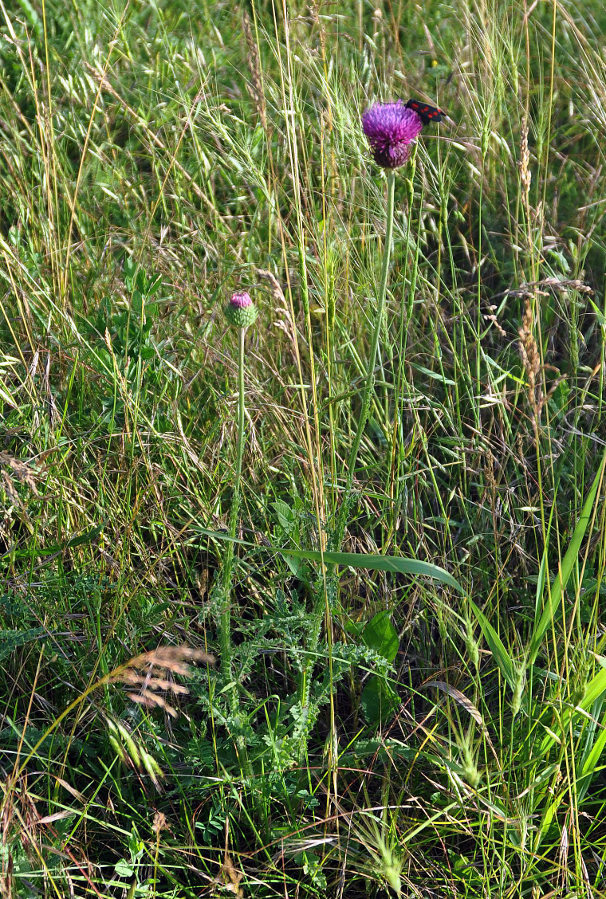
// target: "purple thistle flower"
[[390, 129], [241, 300], [240, 311]]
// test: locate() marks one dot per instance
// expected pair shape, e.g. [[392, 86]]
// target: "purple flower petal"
[[390, 129], [240, 300]]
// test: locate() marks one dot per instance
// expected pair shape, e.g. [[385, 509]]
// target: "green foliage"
[[424, 712], [378, 700], [569, 562]]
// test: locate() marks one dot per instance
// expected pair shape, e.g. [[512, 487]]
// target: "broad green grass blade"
[[501, 656], [542, 578], [561, 580], [373, 562], [590, 765], [367, 561], [595, 689]]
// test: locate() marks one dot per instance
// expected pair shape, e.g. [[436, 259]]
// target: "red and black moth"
[[426, 113]]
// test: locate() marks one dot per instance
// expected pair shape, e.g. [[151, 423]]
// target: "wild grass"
[[422, 714]]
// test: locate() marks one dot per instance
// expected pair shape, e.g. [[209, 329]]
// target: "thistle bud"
[[241, 311]]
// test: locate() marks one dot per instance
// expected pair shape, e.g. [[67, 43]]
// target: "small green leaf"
[[433, 374], [380, 635], [123, 869], [285, 515]]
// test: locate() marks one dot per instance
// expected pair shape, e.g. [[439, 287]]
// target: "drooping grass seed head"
[[391, 129], [241, 312]]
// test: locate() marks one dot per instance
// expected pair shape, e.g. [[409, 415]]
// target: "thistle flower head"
[[241, 311], [390, 129], [241, 300]]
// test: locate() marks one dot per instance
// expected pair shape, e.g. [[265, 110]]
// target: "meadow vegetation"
[[237, 657]]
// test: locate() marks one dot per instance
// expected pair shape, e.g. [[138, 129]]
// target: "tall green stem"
[[225, 612], [370, 369], [322, 610]]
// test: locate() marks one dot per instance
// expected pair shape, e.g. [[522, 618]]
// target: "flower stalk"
[[370, 366], [241, 313], [225, 613]]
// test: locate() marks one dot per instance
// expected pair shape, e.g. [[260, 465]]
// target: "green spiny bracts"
[[241, 311]]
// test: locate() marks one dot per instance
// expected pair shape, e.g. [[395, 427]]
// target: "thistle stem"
[[370, 368], [225, 612]]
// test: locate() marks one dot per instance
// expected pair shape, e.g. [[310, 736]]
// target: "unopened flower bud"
[[241, 311]]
